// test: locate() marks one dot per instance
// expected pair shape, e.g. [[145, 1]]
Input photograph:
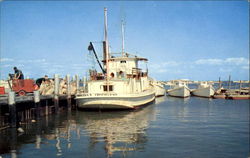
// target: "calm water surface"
[[170, 127]]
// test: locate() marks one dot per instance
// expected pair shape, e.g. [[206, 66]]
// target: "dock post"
[[229, 82], [219, 83], [56, 93], [12, 109], [77, 83], [240, 87], [37, 103], [68, 92], [84, 83]]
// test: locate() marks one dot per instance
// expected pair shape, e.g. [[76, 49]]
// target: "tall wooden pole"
[[12, 109], [56, 93], [107, 46]]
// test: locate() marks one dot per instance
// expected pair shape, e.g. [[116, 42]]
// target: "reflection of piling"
[[12, 109], [37, 103], [68, 92], [56, 93]]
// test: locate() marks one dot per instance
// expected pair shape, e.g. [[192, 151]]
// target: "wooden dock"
[[16, 109]]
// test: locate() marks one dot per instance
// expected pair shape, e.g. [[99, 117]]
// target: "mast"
[[106, 46], [229, 82], [122, 38], [219, 83]]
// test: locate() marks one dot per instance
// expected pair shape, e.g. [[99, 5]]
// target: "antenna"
[[123, 38]]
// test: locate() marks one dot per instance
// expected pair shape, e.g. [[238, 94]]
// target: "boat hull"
[[113, 101], [204, 92], [159, 91], [219, 96], [239, 97], [181, 92]]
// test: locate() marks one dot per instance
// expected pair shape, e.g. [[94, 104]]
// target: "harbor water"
[[169, 127]]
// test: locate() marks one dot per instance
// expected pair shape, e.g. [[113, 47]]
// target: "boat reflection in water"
[[160, 100], [97, 134], [120, 131]]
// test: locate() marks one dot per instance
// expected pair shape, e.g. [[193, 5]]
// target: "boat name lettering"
[[100, 94], [105, 94]]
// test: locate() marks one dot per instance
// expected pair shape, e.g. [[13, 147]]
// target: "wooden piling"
[[37, 103], [68, 92], [219, 83], [229, 82], [240, 87], [12, 109], [84, 83], [77, 83], [56, 93]]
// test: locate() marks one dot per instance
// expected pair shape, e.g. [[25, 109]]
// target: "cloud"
[[213, 65], [237, 61], [6, 65], [6, 59], [225, 69], [171, 63], [245, 67], [227, 61], [166, 67], [209, 61], [38, 61]]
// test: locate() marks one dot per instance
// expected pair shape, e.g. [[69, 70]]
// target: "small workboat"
[[159, 88], [204, 90], [179, 89], [120, 85], [241, 94]]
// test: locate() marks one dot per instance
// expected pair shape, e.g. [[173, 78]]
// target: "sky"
[[196, 40]]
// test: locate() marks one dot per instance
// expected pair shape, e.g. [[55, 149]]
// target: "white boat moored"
[[179, 89], [159, 88], [121, 85], [204, 90]]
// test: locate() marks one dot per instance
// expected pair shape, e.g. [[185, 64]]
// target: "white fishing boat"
[[179, 89], [204, 90], [121, 85], [159, 88]]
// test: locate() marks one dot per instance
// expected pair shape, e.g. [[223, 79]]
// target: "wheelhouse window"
[[105, 88], [123, 61]]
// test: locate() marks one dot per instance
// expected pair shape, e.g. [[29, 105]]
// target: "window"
[[105, 88], [123, 61]]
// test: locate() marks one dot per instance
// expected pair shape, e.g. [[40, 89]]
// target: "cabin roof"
[[128, 58]]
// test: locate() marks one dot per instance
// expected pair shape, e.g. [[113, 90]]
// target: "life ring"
[[36, 87], [22, 93]]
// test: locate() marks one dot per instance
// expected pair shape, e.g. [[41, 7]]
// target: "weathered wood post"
[[84, 83], [77, 83], [68, 92], [77, 88], [229, 82], [12, 109], [240, 87], [37, 103], [219, 83], [56, 93]]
